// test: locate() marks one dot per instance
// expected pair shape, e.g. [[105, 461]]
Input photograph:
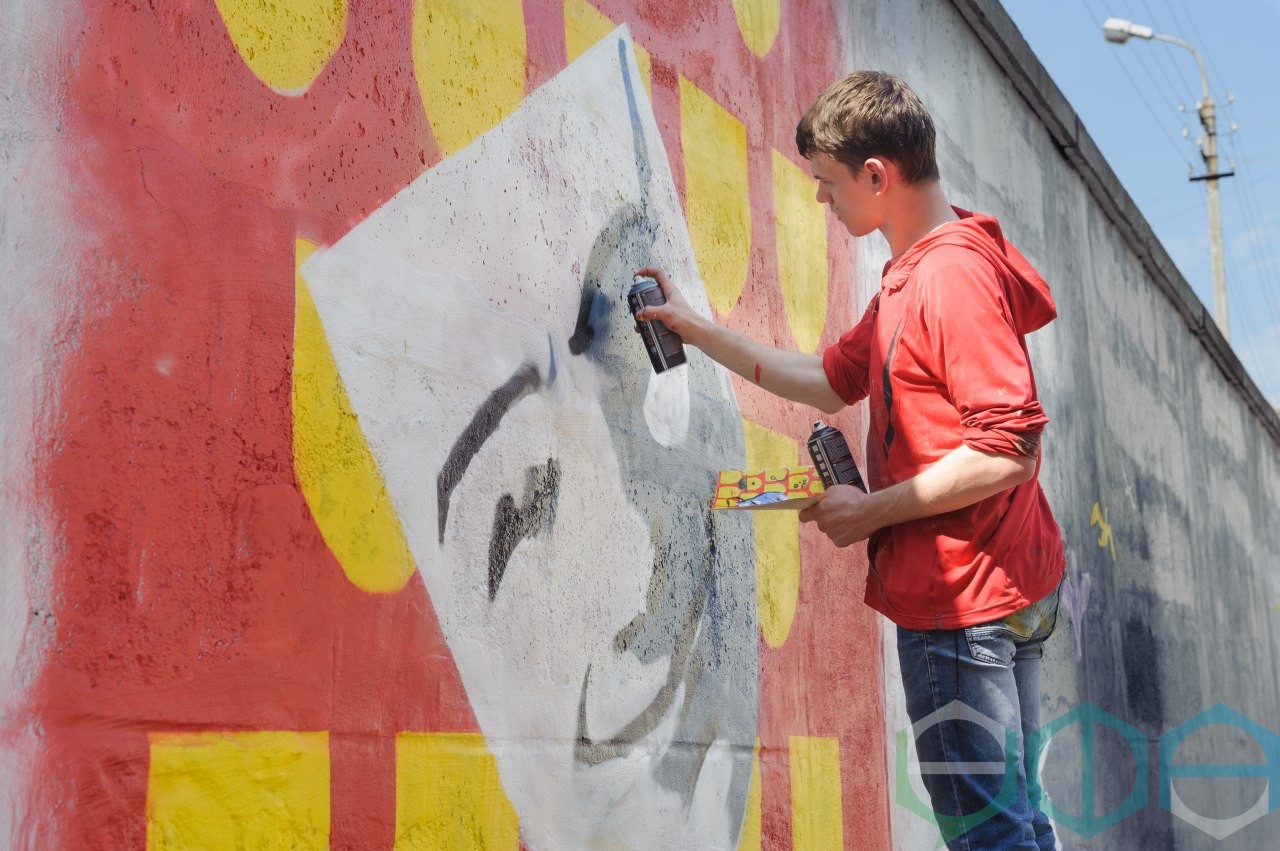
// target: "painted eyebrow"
[[482, 426]]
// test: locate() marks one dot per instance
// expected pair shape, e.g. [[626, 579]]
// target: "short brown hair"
[[867, 114]]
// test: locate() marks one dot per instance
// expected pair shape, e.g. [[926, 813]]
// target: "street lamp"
[[1119, 31]]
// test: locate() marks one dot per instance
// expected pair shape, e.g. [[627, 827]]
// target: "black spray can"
[[832, 458], [665, 347]]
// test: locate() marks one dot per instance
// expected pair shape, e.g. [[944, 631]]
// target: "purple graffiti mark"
[[1075, 597]]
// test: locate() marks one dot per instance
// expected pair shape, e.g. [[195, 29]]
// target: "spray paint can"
[[665, 347], [832, 458]]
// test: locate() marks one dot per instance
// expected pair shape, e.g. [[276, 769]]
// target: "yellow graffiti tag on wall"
[[1101, 518]]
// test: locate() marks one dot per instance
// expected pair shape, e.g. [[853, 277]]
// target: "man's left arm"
[[960, 478]]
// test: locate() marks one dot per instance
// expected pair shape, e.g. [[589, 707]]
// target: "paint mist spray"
[[832, 458], [665, 347]]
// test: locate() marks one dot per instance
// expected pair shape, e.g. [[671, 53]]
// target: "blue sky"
[[1128, 98]]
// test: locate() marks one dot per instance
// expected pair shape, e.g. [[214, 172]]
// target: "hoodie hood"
[[1026, 292]]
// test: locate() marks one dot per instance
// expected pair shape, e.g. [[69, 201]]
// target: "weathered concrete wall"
[[1162, 461], [340, 504]]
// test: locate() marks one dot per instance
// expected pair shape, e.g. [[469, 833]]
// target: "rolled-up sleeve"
[[982, 358]]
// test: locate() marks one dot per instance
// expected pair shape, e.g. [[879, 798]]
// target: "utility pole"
[[1118, 31], [1211, 176]]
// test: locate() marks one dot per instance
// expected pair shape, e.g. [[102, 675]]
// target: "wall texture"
[[1162, 463], [341, 508]]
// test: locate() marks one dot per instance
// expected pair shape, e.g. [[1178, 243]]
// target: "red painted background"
[[191, 588]]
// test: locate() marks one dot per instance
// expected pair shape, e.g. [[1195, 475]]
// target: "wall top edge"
[[998, 33]]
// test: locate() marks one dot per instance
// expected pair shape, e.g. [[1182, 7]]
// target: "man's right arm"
[[796, 376]]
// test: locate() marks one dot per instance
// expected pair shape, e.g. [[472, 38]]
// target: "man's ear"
[[879, 171]]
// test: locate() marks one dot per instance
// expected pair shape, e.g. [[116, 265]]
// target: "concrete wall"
[[1162, 461], [340, 506]]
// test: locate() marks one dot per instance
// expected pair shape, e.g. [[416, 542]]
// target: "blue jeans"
[[973, 696]]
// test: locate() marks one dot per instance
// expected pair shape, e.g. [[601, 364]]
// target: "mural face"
[[553, 490]]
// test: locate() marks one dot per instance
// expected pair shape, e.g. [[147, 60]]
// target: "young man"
[[965, 555]]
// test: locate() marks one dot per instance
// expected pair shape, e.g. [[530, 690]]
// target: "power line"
[[1176, 214], [1157, 83], [1252, 265], [1264, 270], [1256, 223], [1263, 370], [1193, 35], [1094, 20], [1179, 70]]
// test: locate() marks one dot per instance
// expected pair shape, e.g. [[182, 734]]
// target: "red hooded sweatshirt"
[[942, 354]]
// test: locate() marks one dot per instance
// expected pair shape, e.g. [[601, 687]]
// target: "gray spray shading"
[[700, 610]]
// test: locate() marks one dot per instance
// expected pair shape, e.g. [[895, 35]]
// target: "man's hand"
[[845, 514], [958, 479], [797, 376], [677, 314]]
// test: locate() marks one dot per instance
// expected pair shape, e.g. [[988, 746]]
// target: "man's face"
[[852, 197]]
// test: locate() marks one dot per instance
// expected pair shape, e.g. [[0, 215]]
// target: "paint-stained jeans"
[[973, 697]]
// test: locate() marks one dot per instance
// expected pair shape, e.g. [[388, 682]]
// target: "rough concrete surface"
[[1161, 460]]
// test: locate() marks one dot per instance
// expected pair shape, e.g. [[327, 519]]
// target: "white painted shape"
[[666, 406], [435, 300]]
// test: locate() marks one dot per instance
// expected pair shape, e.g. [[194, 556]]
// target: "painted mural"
[[632, 641], [368, 525]]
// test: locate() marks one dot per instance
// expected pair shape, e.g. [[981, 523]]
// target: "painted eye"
[[482, 426], [512, 524]]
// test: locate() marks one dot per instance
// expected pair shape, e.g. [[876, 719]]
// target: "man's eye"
[[512, 524]]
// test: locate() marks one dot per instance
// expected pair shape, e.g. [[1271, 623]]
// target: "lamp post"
[[1119, 31]]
